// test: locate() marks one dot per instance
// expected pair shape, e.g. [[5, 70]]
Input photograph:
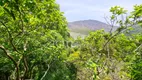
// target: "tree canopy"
[[35, 43]]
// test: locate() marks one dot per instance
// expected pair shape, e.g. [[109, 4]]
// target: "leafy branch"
[[12, 59]]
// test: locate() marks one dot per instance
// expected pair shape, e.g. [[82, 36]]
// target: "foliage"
[[35, 44], [110, 56], [29, 30]]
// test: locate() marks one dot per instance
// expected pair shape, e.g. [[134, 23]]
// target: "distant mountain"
[[83, 27], [136, 30]]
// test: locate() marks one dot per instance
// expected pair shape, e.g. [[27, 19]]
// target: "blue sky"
[[92, 9]]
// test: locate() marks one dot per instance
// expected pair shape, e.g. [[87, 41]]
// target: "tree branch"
[[6, 53], [110, 39], [12, 59], [47, 70], [26, 66], [10, 38], [137, 48]]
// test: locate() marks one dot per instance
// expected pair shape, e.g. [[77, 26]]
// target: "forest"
[[35, 44]]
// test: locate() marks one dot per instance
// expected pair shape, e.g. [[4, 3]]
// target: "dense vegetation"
[[35, 44]]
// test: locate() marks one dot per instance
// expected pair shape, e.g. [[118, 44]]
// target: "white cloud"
[[92, 9]]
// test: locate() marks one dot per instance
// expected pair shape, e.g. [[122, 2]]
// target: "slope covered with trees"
[[35, 44]]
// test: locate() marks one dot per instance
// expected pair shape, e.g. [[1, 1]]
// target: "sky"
[[75, 10]]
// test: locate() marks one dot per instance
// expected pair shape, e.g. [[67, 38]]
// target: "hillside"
[[136, 29], [83, 27]]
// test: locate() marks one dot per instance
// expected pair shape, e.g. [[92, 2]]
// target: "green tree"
[[110, 55], [32, 33]]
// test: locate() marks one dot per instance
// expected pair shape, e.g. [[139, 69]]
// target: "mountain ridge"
[[83, 27], [91, 25]]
